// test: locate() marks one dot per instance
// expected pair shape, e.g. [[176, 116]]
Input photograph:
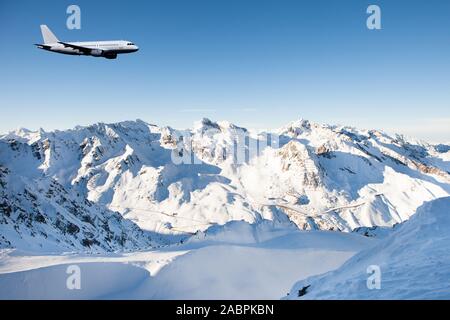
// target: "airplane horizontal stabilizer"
[[42, 46]]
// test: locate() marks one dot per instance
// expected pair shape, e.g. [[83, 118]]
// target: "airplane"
[[105, 49]]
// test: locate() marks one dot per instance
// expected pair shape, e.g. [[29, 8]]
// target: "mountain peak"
[[296, 127]]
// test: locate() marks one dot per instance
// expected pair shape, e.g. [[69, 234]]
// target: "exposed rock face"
[[45, 216], [295, 156], [168, 137]]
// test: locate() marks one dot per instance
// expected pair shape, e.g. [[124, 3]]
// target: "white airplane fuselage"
[[106, 49], [97, 47]]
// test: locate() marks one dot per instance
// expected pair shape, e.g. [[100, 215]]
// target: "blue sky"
[[256, 63]]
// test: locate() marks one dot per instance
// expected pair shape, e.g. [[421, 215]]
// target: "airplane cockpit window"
[[130, 44]]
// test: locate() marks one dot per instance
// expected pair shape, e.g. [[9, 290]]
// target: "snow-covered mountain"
[[134, 185], [412, 263], [38, 213]]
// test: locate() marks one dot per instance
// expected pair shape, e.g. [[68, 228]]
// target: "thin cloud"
[[197, 110]]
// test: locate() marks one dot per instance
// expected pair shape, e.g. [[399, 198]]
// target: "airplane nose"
[[136, 48]]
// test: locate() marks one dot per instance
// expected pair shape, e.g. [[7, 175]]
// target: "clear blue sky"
[[254, 62]]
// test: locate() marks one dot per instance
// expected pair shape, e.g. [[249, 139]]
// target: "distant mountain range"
[[133, 185]]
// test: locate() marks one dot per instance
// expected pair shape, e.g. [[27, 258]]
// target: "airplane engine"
[[97, 52], [110, 55]]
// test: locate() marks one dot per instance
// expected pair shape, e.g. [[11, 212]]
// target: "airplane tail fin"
[[48, 36]]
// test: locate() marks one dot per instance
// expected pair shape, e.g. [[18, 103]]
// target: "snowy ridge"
[[126, 176], [413, 262]]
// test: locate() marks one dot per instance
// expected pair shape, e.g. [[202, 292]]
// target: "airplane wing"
[[73, 46]]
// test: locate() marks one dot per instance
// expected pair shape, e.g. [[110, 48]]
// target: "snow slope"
[[133, 185], [414, 262], [237, 260]]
